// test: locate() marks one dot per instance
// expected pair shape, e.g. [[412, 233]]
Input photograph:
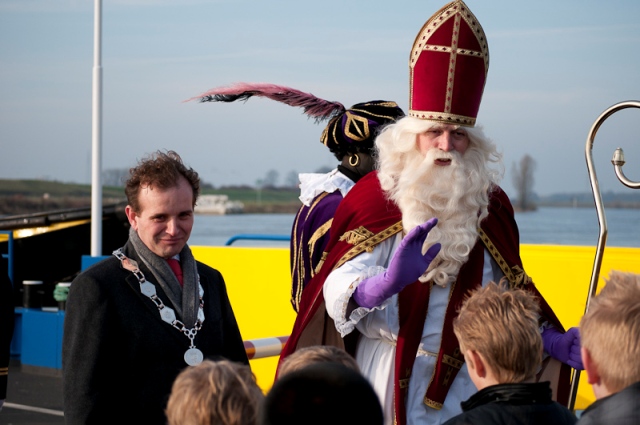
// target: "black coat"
[[621, 408], [119, 358], [513, 404]]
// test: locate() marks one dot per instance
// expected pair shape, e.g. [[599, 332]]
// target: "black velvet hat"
[[355, 129]]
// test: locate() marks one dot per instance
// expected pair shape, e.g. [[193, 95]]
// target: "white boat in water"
[[218, 204]]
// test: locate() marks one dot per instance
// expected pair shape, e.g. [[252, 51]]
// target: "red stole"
[[413, 312]]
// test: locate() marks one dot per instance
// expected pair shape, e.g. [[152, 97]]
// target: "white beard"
[[456, 194]]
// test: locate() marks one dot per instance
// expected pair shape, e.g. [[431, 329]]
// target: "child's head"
[[215, 392], [323, 393], [610, 331], [501, 324], [317, 354]]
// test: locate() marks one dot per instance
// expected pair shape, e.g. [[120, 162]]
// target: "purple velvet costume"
[[310, 230]]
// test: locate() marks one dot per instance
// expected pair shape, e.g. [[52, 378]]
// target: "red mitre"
[[448, 67]]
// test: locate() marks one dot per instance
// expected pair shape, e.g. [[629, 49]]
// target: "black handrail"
[[9, 254], [257, 237]]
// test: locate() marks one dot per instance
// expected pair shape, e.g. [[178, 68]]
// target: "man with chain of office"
[[134, 320]]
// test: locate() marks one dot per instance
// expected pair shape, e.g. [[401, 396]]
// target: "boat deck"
[[34, 396]]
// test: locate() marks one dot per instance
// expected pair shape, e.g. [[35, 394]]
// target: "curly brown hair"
[[162, 170]]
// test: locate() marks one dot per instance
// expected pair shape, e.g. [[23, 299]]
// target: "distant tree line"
[[116, 177]]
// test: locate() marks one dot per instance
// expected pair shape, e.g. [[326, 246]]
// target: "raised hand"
[[563, 346], [406, 266]]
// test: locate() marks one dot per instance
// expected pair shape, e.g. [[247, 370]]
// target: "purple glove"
[[563, 346], [406, 266]]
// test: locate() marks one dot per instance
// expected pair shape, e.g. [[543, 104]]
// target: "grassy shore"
[[30, 196]]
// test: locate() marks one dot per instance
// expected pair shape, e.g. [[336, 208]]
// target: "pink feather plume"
[[314, 107]]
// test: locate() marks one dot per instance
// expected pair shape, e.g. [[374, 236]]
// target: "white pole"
[[96, 136]]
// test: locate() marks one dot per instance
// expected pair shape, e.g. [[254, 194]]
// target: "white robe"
[[375, 350]]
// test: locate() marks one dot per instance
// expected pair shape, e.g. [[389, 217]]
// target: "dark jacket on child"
[[513, 404], [621, 408]]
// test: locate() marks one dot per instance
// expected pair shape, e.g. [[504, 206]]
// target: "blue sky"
[[555, 66]]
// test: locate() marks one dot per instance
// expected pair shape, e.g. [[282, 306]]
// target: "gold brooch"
[[354, 237]]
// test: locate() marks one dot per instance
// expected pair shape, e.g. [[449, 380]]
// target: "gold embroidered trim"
[[301, 252], [450, 49], [443, 117], [298, 284], [440, 18], [516, 275], [370, 113], [356, 123], [366, 244], [324, 136], [404, 383], [315, 203], [295, 240], [320, 232], [447, 377], [354, 237], [453, 59], [432, 404], [459, 13], [359, 123], [321, 262], [452, 361]]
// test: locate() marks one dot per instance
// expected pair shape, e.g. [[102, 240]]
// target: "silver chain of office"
[[193, 355]]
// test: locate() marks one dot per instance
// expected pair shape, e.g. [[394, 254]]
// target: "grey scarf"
[[185, 300]]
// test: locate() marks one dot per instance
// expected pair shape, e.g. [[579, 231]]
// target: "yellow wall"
[[259, 284], [563, 275]]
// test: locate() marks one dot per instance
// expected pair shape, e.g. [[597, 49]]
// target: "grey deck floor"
[[34, 396]]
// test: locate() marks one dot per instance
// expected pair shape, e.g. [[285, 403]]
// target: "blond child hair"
[[610, 330], [502, 325]]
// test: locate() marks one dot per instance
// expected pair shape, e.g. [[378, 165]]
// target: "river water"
[[547, 225]]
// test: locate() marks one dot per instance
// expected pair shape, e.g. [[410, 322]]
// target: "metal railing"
[[9, 254], [257, 237], [265, 347]]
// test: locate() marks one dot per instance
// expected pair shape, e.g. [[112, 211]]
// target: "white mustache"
[[435, 154]]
